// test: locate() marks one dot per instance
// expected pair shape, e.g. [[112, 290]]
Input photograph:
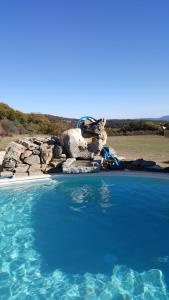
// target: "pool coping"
[[124, 173]]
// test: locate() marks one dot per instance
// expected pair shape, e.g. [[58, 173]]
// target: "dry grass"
[[148, 147]]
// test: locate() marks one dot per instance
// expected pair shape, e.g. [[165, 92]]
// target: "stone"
[[21, 168], [20, 174], [53, 170], [57, 162], [77, 146], [7, 173], [72, 166], [9, 164], [35, 170], [46, 152], [57, 151], [37, 152], [25, 154], [33, 159], [14, 151], [28, 144], [141, 164], [98, 158], [55, 166], [155, 168], [86, 141]]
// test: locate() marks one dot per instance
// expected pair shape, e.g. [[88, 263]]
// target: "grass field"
[[148, 147], [131, 147]]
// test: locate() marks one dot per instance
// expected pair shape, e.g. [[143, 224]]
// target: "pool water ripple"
[[47, 249]]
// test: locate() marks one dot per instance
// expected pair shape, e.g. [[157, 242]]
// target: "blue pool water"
[[87, 237]]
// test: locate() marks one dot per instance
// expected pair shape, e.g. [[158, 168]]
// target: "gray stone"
[[57, 151], [21, 174], [98, 159], [141, 163], [33, 159], [14, 151], [28, 144], [72, 166], [26, 154], [21, 168], [52, 170], [37, 152], [7, 173], [9, 164], [57, 162], [155, 168], [46, 153], [35, 170], [84, 142], [76, 145]]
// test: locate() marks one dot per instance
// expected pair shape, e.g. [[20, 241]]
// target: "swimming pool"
[[85, 237]]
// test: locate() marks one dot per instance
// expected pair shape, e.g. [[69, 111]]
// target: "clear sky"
[[105, 58]]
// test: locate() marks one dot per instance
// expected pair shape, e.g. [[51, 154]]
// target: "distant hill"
[[165, 118], [14, 122]]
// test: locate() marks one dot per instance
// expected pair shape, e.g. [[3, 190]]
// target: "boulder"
[[86, 141], [32, 159], [7, 173], [21, 168], [35, 170], [14, 151], [28, 144], [9, 164], [73, 166], [57, 151], [26, 154], [77, 146], [57, 162], [46, 153], [141, 164]]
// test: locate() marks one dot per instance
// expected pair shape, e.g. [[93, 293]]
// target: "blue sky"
[[105, 58]]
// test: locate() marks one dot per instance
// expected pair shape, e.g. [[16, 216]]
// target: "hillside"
[[14, 122]]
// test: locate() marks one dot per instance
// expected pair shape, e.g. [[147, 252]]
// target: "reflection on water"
[[25, 272]]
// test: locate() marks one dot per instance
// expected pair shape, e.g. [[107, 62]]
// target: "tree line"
[[14, 122]]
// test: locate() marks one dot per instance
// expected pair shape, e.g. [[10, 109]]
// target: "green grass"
[[148, 147]]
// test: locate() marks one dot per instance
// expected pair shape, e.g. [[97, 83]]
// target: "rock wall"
[[35, 156], [32, 156], [85, 142]]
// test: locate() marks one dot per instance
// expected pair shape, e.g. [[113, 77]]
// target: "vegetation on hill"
[[134, 127], [14, 122]]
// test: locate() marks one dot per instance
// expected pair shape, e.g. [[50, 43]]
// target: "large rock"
[[28, 144], [32, 160], [26, 154], [57, 151], [73, 166], [13, 152], [46, 152], [139, 164], [21, 170], [35, 170], [9, 164], [34, 155], [79, 145]]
